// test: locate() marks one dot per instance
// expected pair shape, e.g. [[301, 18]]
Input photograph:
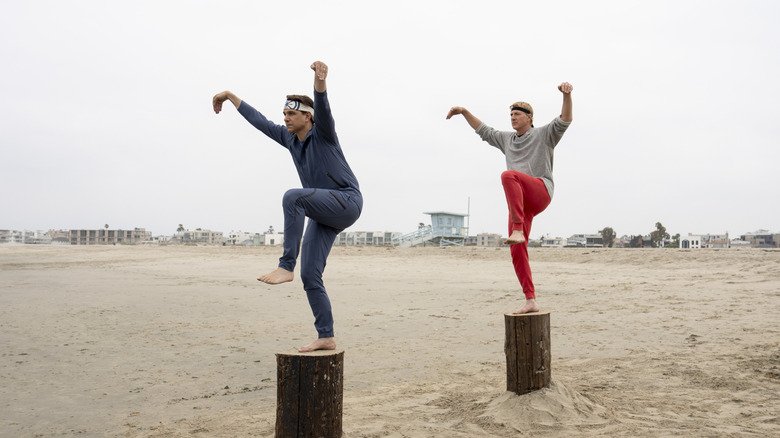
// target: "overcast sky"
[[106, 117]]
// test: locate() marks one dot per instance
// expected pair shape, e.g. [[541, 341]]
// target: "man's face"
[[295, 120], [520, 120]]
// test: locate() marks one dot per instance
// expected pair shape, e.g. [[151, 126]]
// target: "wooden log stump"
[[309, 394], [527, 349]]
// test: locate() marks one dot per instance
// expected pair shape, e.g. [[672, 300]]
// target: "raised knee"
[[507, 174], [310, 277], [290, 197]]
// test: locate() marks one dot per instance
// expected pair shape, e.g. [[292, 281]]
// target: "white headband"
[[297, 106]]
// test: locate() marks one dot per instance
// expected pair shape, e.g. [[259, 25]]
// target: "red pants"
[[526, 197]]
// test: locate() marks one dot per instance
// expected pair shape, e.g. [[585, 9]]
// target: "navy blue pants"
[[329, 213]]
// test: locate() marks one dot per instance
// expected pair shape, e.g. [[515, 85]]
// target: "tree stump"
[[309, 394], [527, 349]]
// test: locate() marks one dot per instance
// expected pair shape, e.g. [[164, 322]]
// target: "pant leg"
[[317, 244], [526, 197], [521, 263]]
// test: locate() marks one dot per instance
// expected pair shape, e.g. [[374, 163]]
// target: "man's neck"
[[522, 131], [301, 134]]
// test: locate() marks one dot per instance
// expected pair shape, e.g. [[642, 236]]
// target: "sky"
[[106, 117]]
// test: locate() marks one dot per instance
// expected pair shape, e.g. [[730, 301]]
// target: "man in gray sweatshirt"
[[528, 182]]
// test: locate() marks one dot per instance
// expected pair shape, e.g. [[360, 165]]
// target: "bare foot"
[[530, 306], [277, 276], [515, 239], [320, 344]]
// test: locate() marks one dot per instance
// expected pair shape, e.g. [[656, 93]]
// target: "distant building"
[[11, 236], [373, 238], [240, 238], [756, 239], [37, 238], [585, 240], [713, 240], [738, 243], [707, 240], [486, 239], [631, 241], [594, 241], [345, 238], [718, 244], [109, 237], [271, 239], [25, 237], [554, 242], [199, 236], [690, 242], [623, 241], [60, 237], [761, 239]]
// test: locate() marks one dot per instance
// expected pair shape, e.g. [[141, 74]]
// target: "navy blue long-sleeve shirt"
[[318, 158]]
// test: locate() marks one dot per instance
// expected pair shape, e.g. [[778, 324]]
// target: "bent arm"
[[566, 111], [275, 132], [472, 120], [219, 98]]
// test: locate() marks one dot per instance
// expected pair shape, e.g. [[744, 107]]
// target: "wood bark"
[[527, 349], [309, 394]]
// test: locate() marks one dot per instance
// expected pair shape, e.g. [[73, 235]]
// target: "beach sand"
[[178, 341]]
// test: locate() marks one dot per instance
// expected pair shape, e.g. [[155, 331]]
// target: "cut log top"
[[521, 315], [294, 352]]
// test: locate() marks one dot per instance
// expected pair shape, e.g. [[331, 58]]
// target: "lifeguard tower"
[[445, 229]]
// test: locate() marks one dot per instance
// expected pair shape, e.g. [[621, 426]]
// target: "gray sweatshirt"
[[530, 153]]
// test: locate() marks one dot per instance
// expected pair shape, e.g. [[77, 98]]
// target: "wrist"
[[233, 98]]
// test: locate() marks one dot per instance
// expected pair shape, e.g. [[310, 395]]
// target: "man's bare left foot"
[[530, 306], [320, 344], [277, 276], [515, 239]]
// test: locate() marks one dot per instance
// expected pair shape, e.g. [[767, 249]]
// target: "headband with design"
[[297, 106]]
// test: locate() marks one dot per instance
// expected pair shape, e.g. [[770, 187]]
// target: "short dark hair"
[[306, 100]]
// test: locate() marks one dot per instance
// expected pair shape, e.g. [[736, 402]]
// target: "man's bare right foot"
[[530, 306], [277, 276], [320, 344], [516, 238]]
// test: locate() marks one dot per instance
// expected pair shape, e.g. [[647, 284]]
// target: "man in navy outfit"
[[330, 196]]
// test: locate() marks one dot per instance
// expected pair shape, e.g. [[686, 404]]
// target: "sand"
[[136, 341]]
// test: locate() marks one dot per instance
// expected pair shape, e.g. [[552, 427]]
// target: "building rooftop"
[[444, 212]]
